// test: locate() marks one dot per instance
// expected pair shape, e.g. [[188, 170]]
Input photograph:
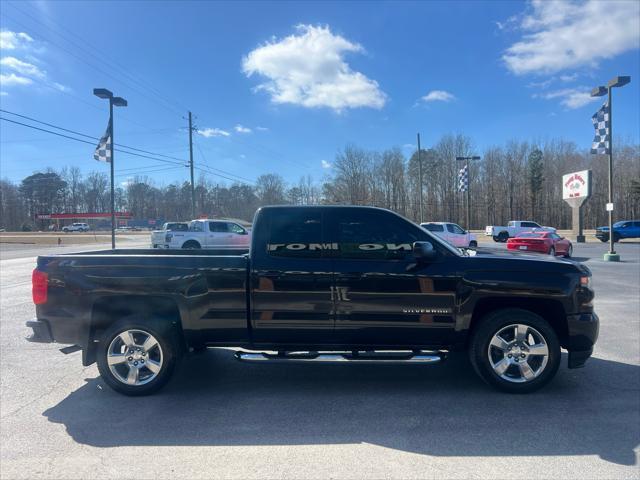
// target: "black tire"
[[496, 238], [164, 332], [503, 237], [489, 326], [192, 244], [604, 239], [569, 251], [616, 237], [552, 251], [473, 244]]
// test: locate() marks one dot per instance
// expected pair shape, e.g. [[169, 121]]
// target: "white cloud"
[[570, 97], [326, 164], [240, 129], [213, 132], [438, 96], [409, 146], [569, 78], [309, 69], [12, 40], [3, 94], [564, 34], [262, 129], [23, 68], [11, 79]]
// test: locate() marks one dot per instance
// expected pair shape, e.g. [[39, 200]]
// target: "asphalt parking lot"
[[222, 419]]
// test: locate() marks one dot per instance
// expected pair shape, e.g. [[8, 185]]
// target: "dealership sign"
[[576, 185]]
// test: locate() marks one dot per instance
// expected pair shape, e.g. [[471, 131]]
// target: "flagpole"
[[113, 197]]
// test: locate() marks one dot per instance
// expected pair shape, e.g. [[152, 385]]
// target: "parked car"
[[320, 283], [158, 237], [76, 227], [623, 229], [205, 233], [513, 228], [541, 242], [452, 233]]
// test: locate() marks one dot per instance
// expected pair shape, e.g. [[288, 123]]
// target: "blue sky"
[[281, 87]]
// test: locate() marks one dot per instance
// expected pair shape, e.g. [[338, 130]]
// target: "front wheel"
[[137, 356], [515, 350], [473, 244], [616, 237]]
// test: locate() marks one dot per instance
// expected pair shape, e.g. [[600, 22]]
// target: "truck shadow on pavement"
[[434, 410]]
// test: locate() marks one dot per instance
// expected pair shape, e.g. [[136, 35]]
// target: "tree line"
[[517, 180]]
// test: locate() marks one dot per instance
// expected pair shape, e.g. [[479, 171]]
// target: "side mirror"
[[424, 251]]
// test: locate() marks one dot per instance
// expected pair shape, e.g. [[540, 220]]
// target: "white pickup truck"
[[158, 236], [205, 233], [513, 228]]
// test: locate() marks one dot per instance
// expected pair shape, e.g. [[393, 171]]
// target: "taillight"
[[39, 286]]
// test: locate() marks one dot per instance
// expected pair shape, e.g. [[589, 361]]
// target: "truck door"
[[291, 278], [383, 297]]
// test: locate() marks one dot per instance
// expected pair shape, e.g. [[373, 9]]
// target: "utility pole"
[[420, 179], [193, 189], [468, 213]]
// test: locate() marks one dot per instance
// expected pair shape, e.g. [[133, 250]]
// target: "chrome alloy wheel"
[[134, 357], [518, 353]]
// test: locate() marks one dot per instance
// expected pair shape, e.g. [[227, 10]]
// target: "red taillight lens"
[[39, 286]]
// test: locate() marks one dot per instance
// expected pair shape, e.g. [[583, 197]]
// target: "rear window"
[[531, 235], [433, 227]]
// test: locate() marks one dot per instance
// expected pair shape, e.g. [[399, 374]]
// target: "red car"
[[541, 242]]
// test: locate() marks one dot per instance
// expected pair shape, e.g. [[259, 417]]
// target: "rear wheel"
[[515, 350], [503, 237], [552, 251], [616, 237], [473, 244], [136, 356], [496, 238], [569, 251], [191, 244]]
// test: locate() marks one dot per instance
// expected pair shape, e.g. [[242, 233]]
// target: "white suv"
[[76, 227]]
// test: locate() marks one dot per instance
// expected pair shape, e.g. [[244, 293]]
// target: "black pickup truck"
[[326, 283]]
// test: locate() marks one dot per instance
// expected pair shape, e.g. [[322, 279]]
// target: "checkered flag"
[[601, 141], [463, 179], [103, 150]]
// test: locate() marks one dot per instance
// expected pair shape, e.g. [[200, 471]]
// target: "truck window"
[[235, 228], [218, 227], [453, 228], [529, 225], [511, 224], [433, 227], [370, 234], [296, 234]]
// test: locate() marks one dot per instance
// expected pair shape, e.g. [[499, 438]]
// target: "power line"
[[83, 60], [89, 136], [204, 160], [85, 141], [205, 170]]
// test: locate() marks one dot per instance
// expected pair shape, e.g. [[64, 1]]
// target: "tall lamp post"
[[466, 159], [600, 91], [118, 102]]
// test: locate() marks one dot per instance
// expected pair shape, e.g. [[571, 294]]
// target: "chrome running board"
[[354, 357]]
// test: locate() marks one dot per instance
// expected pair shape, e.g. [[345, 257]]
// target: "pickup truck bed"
[[352, 280]]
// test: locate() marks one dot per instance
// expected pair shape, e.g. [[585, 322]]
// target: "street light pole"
[[611, 256], [113, 197], [468, 213], [118, 102], [420, 179]]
